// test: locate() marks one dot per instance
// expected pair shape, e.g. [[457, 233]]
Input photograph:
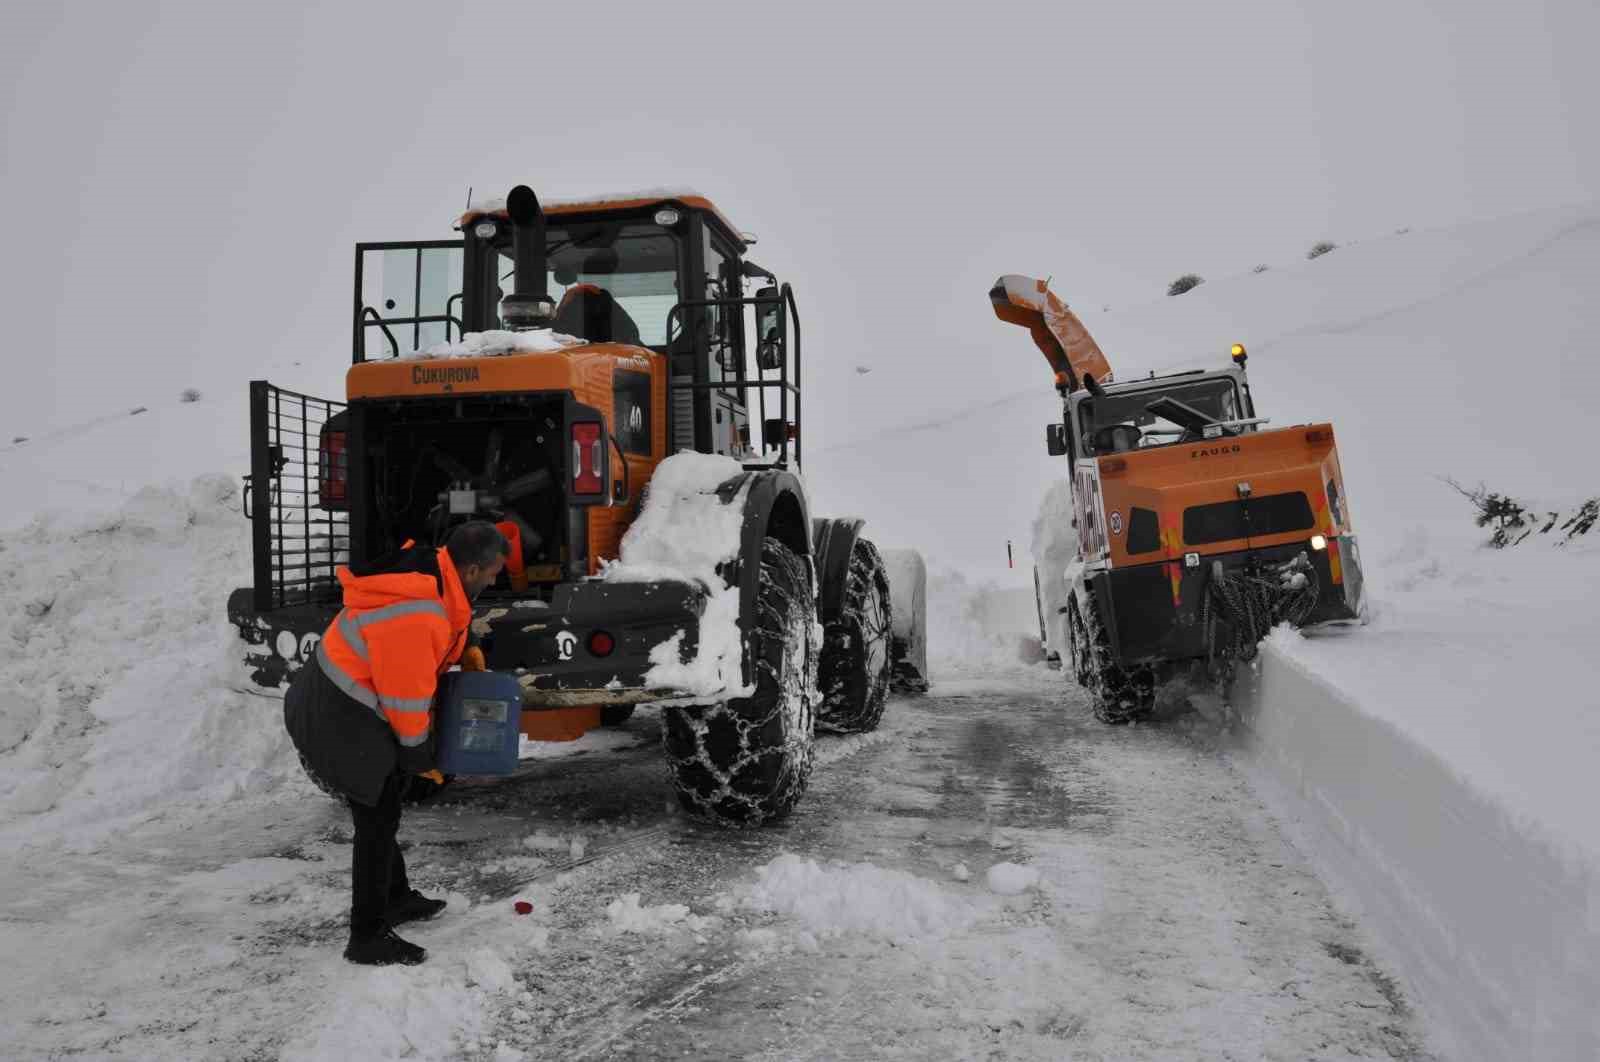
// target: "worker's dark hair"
[[476, 542]]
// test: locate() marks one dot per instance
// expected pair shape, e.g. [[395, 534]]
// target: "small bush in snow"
[[18, 440], [1513, 522], [1509, 517], [1321, 248], [1185, 283], [189, 394], [1262, 268]]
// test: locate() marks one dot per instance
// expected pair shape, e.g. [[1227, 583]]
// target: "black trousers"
[[377, 869]]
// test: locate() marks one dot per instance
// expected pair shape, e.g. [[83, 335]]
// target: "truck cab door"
[[407, 297]]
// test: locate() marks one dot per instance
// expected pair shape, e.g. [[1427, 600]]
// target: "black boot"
[[383, 948], [412, 907]]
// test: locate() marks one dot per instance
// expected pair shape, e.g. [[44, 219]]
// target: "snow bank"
[[496, 342], [857, 899], [1487, 917], [1055, 545], [687, 532], [979, 627], [116, 675]]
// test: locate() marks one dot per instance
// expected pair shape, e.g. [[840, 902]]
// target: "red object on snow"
[[524, 907]]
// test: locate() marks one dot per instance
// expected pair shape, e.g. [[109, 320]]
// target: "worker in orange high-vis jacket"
[[361, 712]]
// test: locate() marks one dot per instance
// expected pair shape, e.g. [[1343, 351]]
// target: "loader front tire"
[[855, 666], [746, 761]]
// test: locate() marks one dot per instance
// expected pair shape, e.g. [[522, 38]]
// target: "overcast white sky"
[[182, 182]]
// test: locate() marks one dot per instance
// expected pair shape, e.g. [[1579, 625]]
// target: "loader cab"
[[1118, 418], [669, 273]]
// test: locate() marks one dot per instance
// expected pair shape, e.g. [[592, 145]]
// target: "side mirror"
[[769, 330], [1055, 439]]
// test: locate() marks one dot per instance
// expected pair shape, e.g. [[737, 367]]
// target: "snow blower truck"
[[1196, 529], [536, 373]]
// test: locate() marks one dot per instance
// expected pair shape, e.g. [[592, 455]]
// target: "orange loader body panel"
[[585, 371]]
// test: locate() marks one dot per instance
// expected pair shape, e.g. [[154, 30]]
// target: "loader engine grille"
[[1242, 606], [301, 539]]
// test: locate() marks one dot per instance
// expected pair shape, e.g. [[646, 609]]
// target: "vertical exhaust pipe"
[[529, 305]]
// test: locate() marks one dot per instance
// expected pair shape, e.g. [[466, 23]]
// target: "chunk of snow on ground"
[[858, 898], [960, 872], [497, 342], [1011, 879], [421, 1012], [489, 970], [833, 750], [626, 915]]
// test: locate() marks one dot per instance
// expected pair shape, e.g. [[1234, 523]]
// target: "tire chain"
[[739, 763], [1118, 695], [1250, 605], [845, 645]]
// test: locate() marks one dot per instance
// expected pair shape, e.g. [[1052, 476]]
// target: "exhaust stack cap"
[[529, 306]]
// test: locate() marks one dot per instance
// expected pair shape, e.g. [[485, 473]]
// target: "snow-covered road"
[[1144, 905]]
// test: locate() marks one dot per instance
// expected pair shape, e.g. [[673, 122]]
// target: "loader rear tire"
[[855, 666], [1117, 695], [746, 761]]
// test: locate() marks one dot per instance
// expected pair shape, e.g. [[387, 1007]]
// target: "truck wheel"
[[855, 664], [1082, 662], [1117, 695], [615, 714], [746, 761]]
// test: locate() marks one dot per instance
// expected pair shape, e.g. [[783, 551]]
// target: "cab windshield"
[[1217, 398], [637, 264]]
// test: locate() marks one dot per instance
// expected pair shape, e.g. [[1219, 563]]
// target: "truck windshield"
[[637, 264], [1217, 398]]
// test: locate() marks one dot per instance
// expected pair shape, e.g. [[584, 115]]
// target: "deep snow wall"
[[1496, 930]]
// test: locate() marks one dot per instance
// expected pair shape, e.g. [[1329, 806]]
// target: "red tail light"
[[333, 471], [601, 644], [588, 457]]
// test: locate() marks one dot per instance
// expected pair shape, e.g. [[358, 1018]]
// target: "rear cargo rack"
[[298, 545]]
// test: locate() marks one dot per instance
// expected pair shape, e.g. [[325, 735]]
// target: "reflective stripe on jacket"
[[398, 631]]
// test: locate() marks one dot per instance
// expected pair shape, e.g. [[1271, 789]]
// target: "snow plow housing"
[[1196, 530], [468, 401]]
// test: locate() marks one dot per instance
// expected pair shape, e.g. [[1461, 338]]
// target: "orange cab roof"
[[496, 207]]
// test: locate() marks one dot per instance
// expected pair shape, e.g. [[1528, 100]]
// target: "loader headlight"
[[485, 229], [1318, 542], [667, 217]]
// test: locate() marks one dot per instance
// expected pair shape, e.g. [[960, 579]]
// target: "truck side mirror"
[[1055, 439], [769, 330]]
